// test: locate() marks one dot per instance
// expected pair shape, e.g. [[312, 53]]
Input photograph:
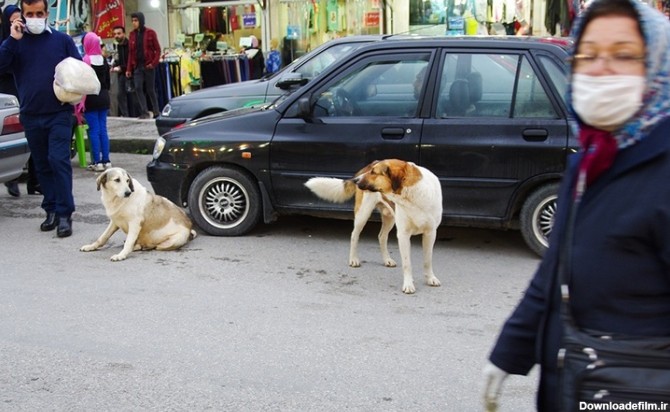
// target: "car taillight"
[[178, 126], [11, 124]]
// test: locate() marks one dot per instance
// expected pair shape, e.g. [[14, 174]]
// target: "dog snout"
[[127, 193]]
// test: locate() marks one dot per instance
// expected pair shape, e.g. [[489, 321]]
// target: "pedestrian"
[[144, 53], [31, 54], [256, 60], [8, 86], [119, 67], [620, 243], [94, 106]]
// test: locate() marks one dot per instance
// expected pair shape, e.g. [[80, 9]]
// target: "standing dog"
[[149, 221], [405, 194]]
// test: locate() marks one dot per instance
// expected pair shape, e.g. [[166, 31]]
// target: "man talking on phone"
[[31, 54]]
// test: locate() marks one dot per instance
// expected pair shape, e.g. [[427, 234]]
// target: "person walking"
[[8, 86], [617, 190], [31, 54], [119, 67], [95, 106], [144, 53]]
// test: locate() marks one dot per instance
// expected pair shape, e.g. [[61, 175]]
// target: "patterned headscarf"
[[656, 99]]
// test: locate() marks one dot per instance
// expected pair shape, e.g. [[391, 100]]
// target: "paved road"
[[273, 321]]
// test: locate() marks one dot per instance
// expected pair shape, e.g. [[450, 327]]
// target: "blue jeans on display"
[[97, 134], [49, 137]]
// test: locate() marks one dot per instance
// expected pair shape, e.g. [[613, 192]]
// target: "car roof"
[[503, 42]]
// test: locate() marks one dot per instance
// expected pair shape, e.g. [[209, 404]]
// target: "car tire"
[[224, 201], [537, 217]]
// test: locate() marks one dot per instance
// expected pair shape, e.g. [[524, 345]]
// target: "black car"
[[254, 92], [485, 114]]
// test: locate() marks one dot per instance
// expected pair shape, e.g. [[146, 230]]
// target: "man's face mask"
[[36, 25]]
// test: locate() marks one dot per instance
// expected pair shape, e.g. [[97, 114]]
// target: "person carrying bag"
[[596, 315], [604, 368]]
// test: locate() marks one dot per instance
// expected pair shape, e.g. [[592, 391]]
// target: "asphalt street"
[[272, 321]]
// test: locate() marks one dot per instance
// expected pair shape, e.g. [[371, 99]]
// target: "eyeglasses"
[[584, 61]]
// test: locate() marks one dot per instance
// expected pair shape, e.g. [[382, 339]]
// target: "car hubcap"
[[225, 202], [543, 220]]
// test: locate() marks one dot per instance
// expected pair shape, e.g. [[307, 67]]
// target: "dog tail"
[[193, 235], [332, 189]]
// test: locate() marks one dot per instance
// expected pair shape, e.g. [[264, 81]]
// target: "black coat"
[[100, 101], [122, 56], [620, 270]]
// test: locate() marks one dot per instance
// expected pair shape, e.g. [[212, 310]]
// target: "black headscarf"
[[6, 14]]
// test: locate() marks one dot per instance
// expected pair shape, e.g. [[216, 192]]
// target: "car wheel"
[[537, 217], [224, 201]]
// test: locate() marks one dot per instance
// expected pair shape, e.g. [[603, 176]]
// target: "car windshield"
[[320, 62]]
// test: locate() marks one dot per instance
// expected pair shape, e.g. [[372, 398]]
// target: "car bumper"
[[13, 157], [167, 180], [165, 124]]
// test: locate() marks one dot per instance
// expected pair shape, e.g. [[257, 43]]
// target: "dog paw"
[[432, 281], [389, 263], [408, 288], [88, 248], [118, 257], [354, 263]]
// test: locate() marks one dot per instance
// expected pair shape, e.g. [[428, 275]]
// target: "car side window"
[[477, 85], [557, 75], [381, 86], [531, 98]]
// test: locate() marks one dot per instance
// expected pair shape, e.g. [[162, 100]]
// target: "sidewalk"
[[131, 135]]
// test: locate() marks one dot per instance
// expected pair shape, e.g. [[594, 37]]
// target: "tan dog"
[[405, 194], [149, 221]]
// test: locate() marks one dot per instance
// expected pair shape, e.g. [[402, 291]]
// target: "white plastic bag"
[[75, 76], [65, 96]]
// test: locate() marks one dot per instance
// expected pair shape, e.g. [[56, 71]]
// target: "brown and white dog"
[[405, 194], [149, 221]]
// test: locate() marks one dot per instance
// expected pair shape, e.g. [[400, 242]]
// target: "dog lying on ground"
[[405, 194], [149, 221]]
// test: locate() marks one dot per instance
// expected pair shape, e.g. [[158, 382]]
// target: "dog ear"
[[101, 180], [396, 176], [130, 183]]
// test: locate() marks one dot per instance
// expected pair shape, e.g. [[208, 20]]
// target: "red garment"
[[152, 49], [600, 149]]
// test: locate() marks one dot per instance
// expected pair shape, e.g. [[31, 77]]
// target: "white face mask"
[[606, 102], [36, 25]]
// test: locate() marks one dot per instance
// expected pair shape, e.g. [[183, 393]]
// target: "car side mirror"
[[304, 108], [294, 80]]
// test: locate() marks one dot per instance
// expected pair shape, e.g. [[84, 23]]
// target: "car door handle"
[[535, 135], [393, 133]]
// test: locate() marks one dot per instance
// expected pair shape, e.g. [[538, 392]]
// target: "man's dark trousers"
[[49, 137]]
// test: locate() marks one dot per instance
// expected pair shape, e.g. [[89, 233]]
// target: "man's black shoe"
[[13, 188], [49, 223], [64, 227]]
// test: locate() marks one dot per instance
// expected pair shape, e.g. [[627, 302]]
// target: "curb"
[[134, 146]]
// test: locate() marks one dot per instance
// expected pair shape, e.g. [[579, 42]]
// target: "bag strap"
[[565, 254]]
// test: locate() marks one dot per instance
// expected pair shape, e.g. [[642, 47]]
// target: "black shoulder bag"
[[621, 372]]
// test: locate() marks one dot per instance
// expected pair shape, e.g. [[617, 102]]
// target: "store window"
[[306, 24], [427, 17]]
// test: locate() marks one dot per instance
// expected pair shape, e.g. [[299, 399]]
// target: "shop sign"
[[292, 32], [106, 15], [372, 19], [249, 20]]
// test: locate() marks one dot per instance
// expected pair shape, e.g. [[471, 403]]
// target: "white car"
[[14, 151]]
